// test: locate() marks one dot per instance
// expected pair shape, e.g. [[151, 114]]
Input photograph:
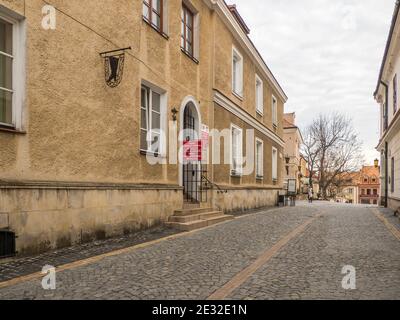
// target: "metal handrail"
[[214, 185]]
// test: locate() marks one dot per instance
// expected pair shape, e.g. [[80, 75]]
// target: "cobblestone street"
[[288, 253]]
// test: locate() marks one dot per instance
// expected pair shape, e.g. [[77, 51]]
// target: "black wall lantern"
[[114, 66], [174, 114]]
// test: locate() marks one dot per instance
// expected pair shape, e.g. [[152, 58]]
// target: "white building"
[[386, 95]]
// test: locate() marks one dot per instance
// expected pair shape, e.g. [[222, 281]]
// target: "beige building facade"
[[80, 160], [293, 160], [386, 95]]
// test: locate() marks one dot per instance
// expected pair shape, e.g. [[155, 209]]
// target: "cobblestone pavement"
[[197, 264], [27, 265]]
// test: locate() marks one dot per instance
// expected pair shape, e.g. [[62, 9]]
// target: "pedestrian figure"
[[310, 195]]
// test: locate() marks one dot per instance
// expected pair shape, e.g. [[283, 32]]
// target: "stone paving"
[[17, 267], [195, 265]]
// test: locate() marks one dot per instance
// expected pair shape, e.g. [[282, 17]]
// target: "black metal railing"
[[213, 185], [195, 190]]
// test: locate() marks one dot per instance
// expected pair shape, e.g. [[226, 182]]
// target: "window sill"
[[152, 154], [260, 113], [259, 178], [161, 33], [237, 95], [236, 175], [190, 56], [11, 130]]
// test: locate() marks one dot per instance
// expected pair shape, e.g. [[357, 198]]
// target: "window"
[[392, 176], [274, 164], [187, 34], [363, 192], [6, 72], [375, 192], [12, 65], [259, 159], [274, 111], [259, 95], [151, 124], [368, 192], [237, 150], [153, 13], [395, 94], [237, 73]]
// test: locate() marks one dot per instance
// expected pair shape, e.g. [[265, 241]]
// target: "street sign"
[[292, 186], [192, 150]]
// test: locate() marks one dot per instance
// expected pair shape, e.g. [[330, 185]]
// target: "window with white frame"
[[153, 109], [259, 95], [6, 72], [12, 64], [237, 150], [274, 164], [259, 159], [237, 72], [274, 111]]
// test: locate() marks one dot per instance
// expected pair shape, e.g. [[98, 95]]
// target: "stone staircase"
[[189, 219]]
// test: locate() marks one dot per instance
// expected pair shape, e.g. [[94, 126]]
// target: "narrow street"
[[289, 253]]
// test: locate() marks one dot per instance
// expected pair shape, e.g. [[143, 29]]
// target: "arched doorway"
[[191, 167]]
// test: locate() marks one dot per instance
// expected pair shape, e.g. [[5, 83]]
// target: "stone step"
[[196, 217], [189, 212], [198, 224]]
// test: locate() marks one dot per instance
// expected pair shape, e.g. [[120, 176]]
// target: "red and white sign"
[[192, 150]]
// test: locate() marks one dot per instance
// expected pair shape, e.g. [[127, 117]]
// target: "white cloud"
[[325, 54]]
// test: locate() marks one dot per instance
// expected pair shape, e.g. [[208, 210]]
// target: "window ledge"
[[11, 130], [237, 95], [236, 175], [164, 35], [152, 154], [190, 56]]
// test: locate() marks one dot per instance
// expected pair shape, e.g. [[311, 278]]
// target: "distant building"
[[369, 185], [362, 187], [349, 191], [387, 97], [293, 141]]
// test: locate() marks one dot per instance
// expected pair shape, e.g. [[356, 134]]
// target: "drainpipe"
[[386, 144]]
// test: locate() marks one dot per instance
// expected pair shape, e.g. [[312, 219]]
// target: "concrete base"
[[394, 204], [52, 217], [245, 199]]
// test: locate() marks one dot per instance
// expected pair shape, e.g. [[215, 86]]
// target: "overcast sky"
[[326, 54]]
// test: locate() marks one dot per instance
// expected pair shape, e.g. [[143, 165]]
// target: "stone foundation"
[[245, 199], [46, 217], [394, 204]]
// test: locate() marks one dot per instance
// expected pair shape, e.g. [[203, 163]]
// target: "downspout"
[[386, 144]]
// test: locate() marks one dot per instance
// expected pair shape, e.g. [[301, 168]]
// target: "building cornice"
[[230, 21], [228, 105], [392, 129], [388, 47], [65, 185]]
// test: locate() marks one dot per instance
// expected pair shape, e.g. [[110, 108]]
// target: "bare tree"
[[332, 148]]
